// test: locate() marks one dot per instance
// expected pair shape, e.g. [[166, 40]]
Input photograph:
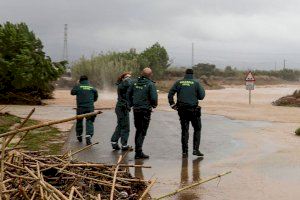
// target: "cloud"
[[244, 33]]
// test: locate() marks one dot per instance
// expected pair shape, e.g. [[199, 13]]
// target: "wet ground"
[[265, 164]]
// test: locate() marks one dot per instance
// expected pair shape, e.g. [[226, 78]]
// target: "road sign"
[[250, 77], [249, 85], [250, 80]]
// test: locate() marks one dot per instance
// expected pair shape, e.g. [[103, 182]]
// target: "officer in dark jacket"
[[188, 91], [86, 95], [122, 112], [142, 96]]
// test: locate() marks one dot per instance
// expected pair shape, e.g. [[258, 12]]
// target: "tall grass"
[[103, 70]]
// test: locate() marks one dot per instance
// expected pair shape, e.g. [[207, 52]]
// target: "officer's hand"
[[174, 107]]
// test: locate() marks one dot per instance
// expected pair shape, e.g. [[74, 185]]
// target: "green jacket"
[[188, 91], [86, 95], [142, 94], [123, 87]]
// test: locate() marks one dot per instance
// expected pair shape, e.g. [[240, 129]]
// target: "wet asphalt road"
[[222, 143]]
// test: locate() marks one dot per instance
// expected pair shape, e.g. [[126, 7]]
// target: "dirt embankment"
[[208, 84], [289, 100], [260, 80]]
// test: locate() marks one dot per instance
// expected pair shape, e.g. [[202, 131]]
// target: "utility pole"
[[275, 66], [192, 54], [65, 52], [284, 61]]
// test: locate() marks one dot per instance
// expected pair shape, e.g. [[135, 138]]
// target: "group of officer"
[[140, 95]]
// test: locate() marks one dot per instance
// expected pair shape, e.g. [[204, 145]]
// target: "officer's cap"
[[83, 78], [189, 71]]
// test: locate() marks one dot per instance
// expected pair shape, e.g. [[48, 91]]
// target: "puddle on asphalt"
[[163, 145]]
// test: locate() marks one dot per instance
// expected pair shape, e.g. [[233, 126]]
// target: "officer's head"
[[147, 72], [124, 76], [189, 71], [83, 78]]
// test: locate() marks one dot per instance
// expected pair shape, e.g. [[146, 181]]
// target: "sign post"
[[250, 80]]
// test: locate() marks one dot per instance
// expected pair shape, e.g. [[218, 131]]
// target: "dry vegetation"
[[35, 175], [32, 175]]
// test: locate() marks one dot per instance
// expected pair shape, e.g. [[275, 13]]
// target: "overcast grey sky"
[[243, 33]]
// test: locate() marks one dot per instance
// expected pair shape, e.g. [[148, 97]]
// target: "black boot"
[[198, 153], [141, 155], [185, 153], [115, 146], [88, 140], [79, 138], [126, 148]]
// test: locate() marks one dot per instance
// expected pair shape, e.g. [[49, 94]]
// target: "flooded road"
[[263, 157]]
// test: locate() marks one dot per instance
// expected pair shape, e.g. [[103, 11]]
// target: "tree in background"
[[205, 69], [210, 70], [155, 57], [230, 72], [104, 69], [26, 72], [285, 74]]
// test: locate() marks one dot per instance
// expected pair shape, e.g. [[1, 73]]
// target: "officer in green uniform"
[[188, 91], [86, 95], [142, 96], [122, 111]]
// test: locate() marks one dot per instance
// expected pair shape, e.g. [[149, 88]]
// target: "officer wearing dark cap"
[[86, 95], [189, 92]]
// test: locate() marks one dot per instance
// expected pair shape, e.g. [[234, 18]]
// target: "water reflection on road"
[[227, 144], [185, 180]]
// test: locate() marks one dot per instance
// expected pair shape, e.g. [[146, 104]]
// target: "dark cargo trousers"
[[187, 115], [123, 126], [89, 122], [142, 119]]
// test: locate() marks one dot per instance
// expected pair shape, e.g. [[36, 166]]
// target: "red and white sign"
[[250, 77], [250, 81]]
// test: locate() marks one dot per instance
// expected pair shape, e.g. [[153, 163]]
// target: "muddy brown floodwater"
[[231, 102]]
